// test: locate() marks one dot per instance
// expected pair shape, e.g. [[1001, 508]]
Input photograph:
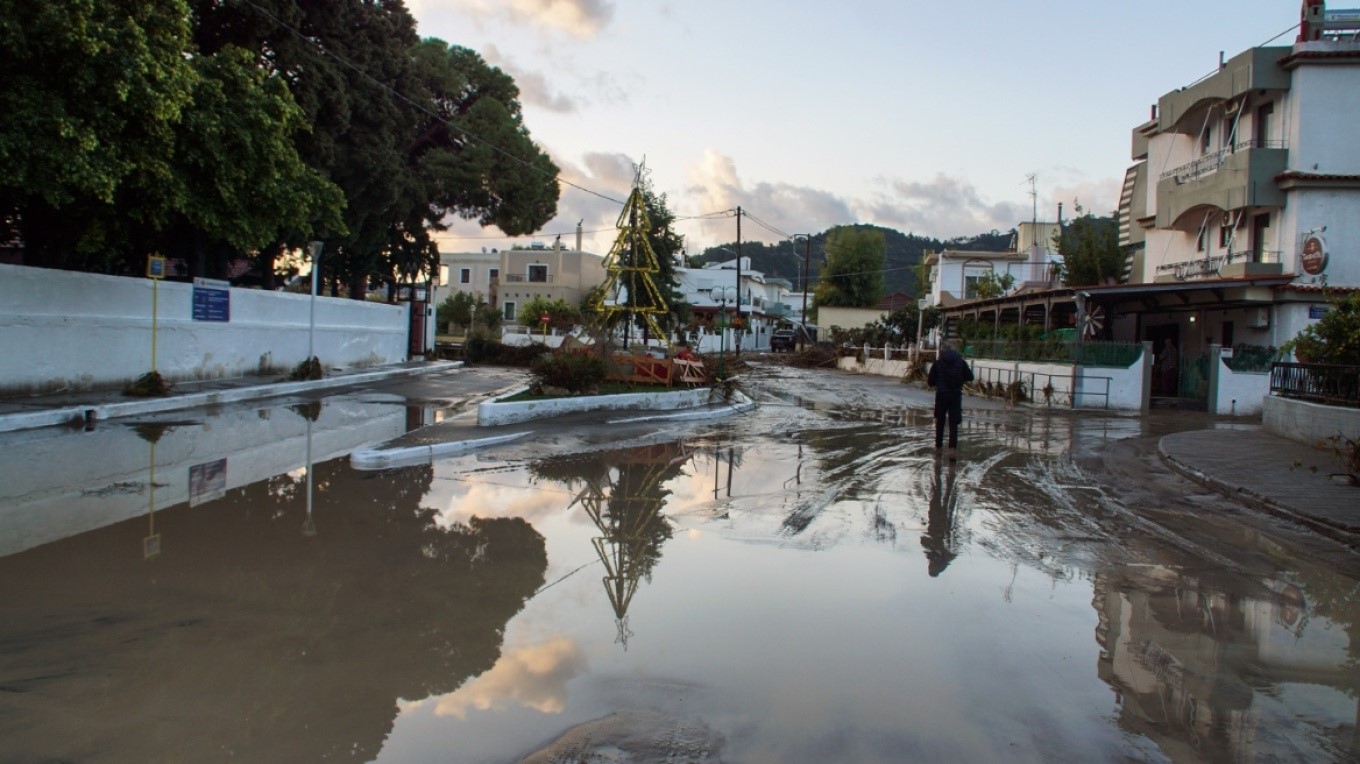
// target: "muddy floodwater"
[[805, 582]]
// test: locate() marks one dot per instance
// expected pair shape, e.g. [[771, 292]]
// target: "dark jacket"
[[949, 373]]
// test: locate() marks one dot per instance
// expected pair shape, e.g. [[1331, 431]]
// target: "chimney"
[[578, 234], [1311, 16]]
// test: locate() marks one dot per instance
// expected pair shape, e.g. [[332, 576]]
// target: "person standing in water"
[[948, 375]]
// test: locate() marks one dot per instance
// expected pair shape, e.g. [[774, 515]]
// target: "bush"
[[1335, 339], [575, 372], [476, 350]]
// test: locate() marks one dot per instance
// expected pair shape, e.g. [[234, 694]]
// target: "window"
[[970, 283], [1225, 234], [494, 274], [509, 311], [443, 274], [1200, 242], [1206, 139], [1262, 126], [464, 275], [538, 273], [1259, 224]]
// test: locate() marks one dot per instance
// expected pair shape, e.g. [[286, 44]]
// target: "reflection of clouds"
[[484, 499], [533, 676]]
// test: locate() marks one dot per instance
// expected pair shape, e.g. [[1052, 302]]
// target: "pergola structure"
[[1095, 308]]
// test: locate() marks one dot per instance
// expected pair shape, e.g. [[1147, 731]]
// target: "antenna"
[[1033, 180]]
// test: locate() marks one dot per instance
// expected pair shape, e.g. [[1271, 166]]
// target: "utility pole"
[[807, 256], [743, 326]]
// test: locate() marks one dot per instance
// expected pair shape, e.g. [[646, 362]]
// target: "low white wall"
[[492, 413], [1081, 387], [1308, 422], [61, 330], [1241, 393]]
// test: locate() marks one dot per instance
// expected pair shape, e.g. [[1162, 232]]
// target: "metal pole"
[[155, 302], [315, 249], [807, 254], [737, 337]]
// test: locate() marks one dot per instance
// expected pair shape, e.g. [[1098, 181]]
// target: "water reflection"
[[939, 540], [623, 493], [243, 637], [1206, 671]]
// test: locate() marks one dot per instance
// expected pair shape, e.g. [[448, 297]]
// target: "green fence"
[[1115, 354]]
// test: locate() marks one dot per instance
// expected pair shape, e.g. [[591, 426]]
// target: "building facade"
[[1245, 190], [509, 278]]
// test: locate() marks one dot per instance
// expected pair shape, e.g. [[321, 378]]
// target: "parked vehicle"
[[785, 340]]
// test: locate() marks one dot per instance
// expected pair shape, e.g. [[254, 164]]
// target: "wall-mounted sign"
[[1313, 258], [207, 482], [1316, 311], [212, 300]]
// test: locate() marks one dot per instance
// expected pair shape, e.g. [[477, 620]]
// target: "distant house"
[[854, 318], [509, 278]]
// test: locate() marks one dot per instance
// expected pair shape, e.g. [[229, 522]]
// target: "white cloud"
[[579, 18], [533, 676], [792, 209], [533, 86]]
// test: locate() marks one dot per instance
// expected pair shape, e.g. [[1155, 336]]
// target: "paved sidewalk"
[[63, 408], [1272, 473]]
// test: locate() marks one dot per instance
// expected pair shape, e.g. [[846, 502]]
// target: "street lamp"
[[314, 249], [719, 294]]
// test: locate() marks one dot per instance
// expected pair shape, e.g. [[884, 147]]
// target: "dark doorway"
[[1165, 381]]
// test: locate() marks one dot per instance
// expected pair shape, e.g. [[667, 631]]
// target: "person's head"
[[948, 345], [1167, 342]]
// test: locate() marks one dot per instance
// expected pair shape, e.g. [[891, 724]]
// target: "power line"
[[766, 226], [422, 108]]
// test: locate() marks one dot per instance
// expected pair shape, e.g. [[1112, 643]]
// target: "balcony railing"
[[1205, 267], [533, 279], [1087, 353], [1320, 383], [1210, 162]]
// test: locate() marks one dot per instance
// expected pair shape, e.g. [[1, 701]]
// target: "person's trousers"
[[948, 406]]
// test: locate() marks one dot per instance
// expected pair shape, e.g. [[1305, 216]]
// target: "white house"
[[764, 303], [1246, 184]]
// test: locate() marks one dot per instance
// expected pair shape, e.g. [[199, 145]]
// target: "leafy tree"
[[992, 285], [562, 315], [853, 276], [92, 95], [1334, 339], [457, 309], [1090, 250]]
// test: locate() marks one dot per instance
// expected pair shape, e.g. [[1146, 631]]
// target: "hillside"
[[903, 253]]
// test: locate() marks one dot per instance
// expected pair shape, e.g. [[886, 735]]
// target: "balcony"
[[1264, 262], [1229, 179], [520, 278], [1181, 110]]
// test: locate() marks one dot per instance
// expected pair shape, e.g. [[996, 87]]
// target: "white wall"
[[1324, 112], [1241, 393], [65, 330], [1310, 209]]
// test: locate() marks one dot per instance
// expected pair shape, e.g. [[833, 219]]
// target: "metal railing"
[[1022, 386], [1210, 162], [1210, 266], [520, 278], [1089, 353], [1321, 383]]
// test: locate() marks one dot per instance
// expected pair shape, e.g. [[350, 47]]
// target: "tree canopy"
[[211, 131], [1090, 250], [853, 276]]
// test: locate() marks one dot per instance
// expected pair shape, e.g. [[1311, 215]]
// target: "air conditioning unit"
[[1229, 220], [1258, 318]]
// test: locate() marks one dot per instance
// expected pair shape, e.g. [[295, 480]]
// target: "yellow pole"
[[155, 302]]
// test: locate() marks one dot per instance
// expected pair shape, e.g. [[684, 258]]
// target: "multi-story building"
[[509, 278], [712, 289], [1246, 183]]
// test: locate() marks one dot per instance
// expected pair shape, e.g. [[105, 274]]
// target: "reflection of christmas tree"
[[625, 504]]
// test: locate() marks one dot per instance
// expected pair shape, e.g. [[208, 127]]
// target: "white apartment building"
[[713, 288], [1246, 182]]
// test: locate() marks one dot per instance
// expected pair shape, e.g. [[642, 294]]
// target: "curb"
[[1340, 533], [88, 414], [381, 458]]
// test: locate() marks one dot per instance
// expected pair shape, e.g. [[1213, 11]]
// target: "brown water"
[[804, 583]]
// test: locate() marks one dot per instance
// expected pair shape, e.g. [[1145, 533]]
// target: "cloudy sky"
[[925, 117]]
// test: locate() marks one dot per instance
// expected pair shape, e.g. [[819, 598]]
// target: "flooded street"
[[804, 582]]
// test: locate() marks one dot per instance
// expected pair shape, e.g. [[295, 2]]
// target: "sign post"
[[155, 270], [545, 318]]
